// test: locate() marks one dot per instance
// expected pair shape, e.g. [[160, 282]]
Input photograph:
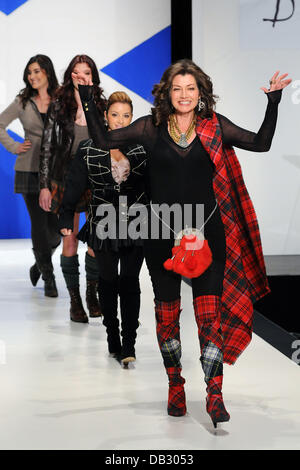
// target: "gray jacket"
[[33, 126]]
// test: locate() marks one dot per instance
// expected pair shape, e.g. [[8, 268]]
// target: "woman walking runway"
[[192, 161]]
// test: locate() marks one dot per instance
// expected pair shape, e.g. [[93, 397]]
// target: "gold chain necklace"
[[181, 138]]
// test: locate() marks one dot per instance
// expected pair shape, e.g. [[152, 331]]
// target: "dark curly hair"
[[45, 64], [65, 93], [161, 92]]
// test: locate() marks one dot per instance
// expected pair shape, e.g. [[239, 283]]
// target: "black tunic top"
[[184, 176], [91, 168], [177, 175]]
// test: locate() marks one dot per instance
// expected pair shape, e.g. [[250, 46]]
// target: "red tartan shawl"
[[245, 279]]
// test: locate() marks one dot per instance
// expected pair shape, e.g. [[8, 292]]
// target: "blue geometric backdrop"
[[14, 218], [138, 70], [8, 6], [143, 66]]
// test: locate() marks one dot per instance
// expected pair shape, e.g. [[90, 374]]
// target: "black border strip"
[[274, 334], [181, 29]]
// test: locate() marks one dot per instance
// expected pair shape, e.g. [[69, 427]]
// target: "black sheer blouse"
[[144, 132], [178, 175]]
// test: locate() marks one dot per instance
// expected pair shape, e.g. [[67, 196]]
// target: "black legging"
[[44, 225], [131, 260], [167, 284]]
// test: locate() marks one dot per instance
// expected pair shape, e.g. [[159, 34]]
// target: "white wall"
[[241, 52]]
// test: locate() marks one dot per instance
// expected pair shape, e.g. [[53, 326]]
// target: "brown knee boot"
[[77, 312], [70, 270]]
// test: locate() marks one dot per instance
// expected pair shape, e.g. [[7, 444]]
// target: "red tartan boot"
[[176, 401], [214, 401], [167, 329], [207, 313]]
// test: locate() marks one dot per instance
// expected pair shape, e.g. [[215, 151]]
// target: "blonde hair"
[[119, 97]]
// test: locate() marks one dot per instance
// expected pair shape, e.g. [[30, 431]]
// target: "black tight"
[[44, 225], [166, 284], [131, 260]]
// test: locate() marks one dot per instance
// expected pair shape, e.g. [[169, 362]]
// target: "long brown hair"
[[162, 102], [65, 93], [45, 64]]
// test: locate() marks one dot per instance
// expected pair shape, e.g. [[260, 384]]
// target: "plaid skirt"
[[26, 182], [57, 192]]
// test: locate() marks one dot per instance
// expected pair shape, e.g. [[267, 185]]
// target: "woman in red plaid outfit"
[[191, 161]]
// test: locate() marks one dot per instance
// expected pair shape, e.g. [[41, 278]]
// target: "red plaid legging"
[[207, 314]]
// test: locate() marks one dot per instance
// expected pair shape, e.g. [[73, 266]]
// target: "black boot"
[[129, 290], [91, 298], [92, 276], [34, 272], [44, 265], [108, 293], [70, 270]]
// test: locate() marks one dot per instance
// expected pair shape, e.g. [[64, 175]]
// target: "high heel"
[[176, 400], [129, 291], [34, 274], [216, 409], [214, 402], [168, 335], [127, 355], [45, 266]]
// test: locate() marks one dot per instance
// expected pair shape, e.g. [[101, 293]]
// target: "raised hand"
[[277, 82], [81, 79], [66, 231]]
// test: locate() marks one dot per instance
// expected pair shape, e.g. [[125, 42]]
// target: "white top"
[[120, 169]]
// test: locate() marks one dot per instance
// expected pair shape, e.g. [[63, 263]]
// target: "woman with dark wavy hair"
[[30, 107], [65, 127], [163, 107], [192, 164]]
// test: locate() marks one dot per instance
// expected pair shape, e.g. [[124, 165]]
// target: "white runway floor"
[[59, 388]]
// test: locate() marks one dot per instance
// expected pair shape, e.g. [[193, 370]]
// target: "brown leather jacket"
[[56, 147]]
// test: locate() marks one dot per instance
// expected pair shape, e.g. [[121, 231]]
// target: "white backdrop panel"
[[106, 30], [102, 29], [233, 44]]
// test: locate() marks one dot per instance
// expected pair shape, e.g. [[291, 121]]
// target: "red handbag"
[[190, 258]]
